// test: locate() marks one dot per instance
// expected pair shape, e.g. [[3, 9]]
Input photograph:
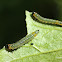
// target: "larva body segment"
[[23, 41], [44, 20]]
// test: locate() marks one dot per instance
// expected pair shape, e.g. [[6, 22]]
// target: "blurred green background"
[[12, 16]]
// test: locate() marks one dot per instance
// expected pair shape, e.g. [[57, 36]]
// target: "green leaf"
[[47, 44]]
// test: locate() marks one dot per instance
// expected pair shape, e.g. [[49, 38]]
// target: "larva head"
[[34, 14], [8, 47]]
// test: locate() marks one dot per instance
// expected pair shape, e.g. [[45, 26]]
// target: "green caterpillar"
[[23, 41], [44, 20]]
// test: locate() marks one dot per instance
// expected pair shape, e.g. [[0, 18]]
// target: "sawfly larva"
[[23, 41], [45, 20]]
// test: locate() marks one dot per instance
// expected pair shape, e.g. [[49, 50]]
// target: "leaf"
[[47, 45]]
